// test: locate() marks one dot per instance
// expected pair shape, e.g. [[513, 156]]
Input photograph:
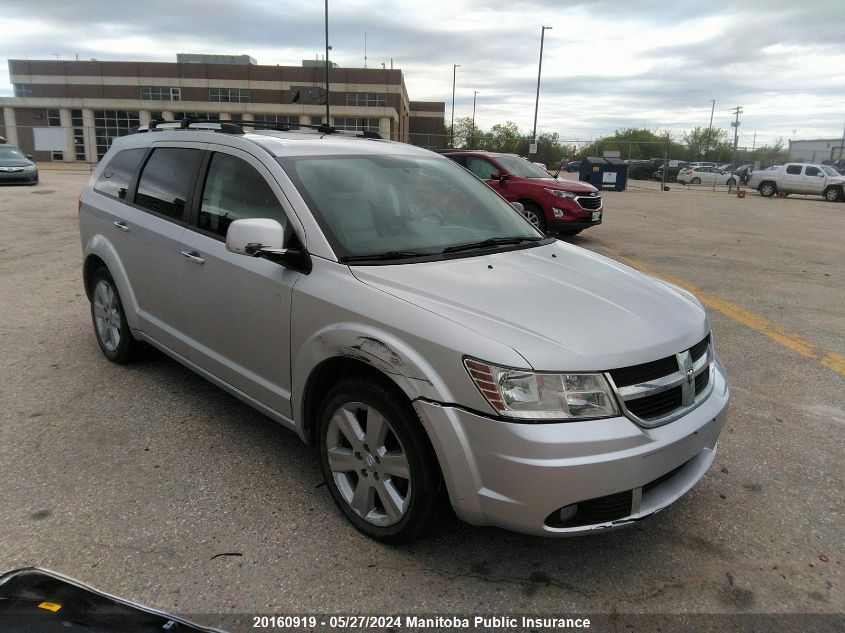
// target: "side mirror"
[[495, 176], [518, 206], [263, 237]]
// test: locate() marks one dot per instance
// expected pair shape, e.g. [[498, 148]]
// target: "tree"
[[702, 142]]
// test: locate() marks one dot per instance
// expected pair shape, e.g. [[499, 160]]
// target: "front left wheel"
[[110, 326], [534, 214], [377, 461]]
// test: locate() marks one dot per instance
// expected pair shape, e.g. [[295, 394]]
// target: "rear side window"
[[115, 179], [166, 180], [793, 170], [234, 190], [812, 171]]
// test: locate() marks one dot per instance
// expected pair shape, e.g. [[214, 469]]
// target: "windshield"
[[521, 167], [830, 171], [11, 152], [401, 206]]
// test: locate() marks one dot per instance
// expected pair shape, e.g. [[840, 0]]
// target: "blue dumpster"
[[604, 173]]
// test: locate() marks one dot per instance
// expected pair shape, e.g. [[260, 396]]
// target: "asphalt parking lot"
[[136, 479]]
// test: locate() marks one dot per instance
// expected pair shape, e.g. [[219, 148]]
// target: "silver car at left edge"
[[391, 309]]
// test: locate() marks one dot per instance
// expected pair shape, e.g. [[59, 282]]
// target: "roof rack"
[[237, 127]]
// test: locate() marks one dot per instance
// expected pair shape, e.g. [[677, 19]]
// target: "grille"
[[701, 381], [662, 478], [589, 202], [697, 350], [645, 372], [657, 405]]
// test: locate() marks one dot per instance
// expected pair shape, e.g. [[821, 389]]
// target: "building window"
[[161, 93], [355, 124], [237, 117], [372, 99], [23, 90], [109, 124], [278, 118], [195, 115], [78, 134], [228, 95], [308, 94], [317, 120], [54, 120]]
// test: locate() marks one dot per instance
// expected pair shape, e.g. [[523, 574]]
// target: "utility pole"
[[472, 134], [328, 120], [737, 110], [710, 129], [452, 130], [539, 72], [842, 147]]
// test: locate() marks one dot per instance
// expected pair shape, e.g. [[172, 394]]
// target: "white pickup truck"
[[818, 180]]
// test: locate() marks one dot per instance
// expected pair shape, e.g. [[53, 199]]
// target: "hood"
[[565, 184], [559, 306], [15, 162]]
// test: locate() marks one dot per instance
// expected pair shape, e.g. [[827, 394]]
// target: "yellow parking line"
[[756, 322]]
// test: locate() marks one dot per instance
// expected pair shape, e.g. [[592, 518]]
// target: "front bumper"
[[26, 177], [575, 223], [515, 475]]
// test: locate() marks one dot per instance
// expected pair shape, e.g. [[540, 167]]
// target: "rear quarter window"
[[115, 179], [167, 180]]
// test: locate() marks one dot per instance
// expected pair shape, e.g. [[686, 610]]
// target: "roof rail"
[[237, 127]]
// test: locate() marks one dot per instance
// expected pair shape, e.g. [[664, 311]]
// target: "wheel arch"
[[100, 252]]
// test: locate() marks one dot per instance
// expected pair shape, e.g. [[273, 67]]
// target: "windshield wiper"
[[381, 256], [493, 241]]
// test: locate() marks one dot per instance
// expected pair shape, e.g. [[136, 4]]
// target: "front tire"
[[731, 182], [109, 319], [535, 215], [832, 194], [377, 461], [767, 189]]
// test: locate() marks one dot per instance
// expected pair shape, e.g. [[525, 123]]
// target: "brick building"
[[95, 101]]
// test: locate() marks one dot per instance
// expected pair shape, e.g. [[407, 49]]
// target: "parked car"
[[541, 166], [573, 165], [706, 176], [562, 206], [640, 169], [819, 180], [17, 167], [671, 170], [395, 312], [701, 164]]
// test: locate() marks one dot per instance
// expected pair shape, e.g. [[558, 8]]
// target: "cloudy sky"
[[607, 64]]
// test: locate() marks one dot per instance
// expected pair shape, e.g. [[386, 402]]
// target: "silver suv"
[[394, 311]]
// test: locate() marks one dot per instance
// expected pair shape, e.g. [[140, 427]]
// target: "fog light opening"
[[559, 518]]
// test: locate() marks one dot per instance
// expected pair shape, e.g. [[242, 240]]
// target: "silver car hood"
[[559, 306]]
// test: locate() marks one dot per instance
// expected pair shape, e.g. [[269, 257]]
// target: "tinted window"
[[794, 170], [114, 181], [234, 190], [166, 180], [812, 171], [480, 167]]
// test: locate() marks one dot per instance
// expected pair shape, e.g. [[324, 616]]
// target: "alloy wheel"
[[107, 315], [532, 217], [368, 463]]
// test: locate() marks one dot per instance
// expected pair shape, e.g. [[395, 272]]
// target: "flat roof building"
[[816, 150], [95, 101]]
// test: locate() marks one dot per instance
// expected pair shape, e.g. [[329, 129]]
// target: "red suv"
[[559, 206]]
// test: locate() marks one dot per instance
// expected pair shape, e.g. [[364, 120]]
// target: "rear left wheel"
[[110, 326], [378, 462], [695, 181]]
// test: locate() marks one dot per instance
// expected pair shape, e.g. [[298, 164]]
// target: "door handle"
[[193, 256], [121, 225]]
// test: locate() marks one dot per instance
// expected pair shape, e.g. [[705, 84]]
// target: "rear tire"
[[731, 182], [377, 461], [695, 181], [109, 318], [535, 215], [767, 189]]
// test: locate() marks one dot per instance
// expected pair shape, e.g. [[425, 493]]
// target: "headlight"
[[528, 395], [557, 193], [29, 167]]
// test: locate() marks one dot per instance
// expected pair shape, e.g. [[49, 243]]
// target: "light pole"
[[328, 120], [539, 72], [452, 127], [710, 129], [472, 133]]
